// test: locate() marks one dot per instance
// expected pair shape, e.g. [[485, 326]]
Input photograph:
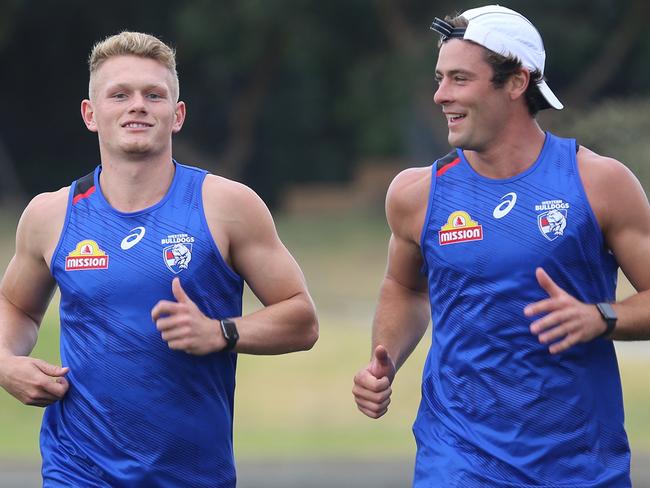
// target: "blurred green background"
[[315, 105], [300, 406], [286, 92]]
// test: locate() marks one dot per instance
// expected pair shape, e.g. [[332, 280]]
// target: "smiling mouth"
[[451, 118], [136, 125]]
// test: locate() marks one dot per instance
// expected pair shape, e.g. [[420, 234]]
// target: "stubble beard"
[[137, 150]]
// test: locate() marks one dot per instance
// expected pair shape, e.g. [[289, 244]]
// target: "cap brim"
[[550, 97]]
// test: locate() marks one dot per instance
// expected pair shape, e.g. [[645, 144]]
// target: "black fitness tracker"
[[229, 330], [609, 316]]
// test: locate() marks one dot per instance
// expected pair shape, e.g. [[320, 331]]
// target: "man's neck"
[[512, 152], [130, 185]]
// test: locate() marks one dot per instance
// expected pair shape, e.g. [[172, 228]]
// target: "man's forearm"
[[286, 326], [401, 319], [18, 332], [633, 322]]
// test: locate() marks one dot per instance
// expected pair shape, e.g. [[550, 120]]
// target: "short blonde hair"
[[133, 44]]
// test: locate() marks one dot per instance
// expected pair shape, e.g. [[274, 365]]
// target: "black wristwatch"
[[609, 316], [229, 330]]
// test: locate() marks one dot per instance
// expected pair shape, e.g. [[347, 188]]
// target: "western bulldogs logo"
[[178, 254], [553, 222]]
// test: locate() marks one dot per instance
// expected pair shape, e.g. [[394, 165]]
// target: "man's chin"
[[137, 151], [455, 140]]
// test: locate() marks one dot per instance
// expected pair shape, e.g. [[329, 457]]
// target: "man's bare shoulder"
[[609, 184], [47, 209], [602, 173], [406, 201], [41, 222], [592, 162], [410, 188], [230, 198], [236, 215]]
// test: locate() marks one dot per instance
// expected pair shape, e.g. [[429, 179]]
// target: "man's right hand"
[[33, 381], [372, 388]]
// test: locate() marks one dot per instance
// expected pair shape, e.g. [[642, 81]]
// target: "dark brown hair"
[[503, 67]]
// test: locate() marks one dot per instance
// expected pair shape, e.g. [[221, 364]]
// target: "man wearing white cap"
[[512, 243]]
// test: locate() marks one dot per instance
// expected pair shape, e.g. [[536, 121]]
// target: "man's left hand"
[[567, 320], [184, 327]]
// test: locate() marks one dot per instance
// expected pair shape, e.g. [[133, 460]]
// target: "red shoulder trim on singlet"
[[84, 187], [447, 162], [81, 196]]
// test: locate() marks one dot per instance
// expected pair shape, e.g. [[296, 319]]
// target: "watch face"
[[607, 311], [229, 329], [609, 316]]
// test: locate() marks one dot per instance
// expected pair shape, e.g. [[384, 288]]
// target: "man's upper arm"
[[27, 283], [406, 205], [628, 233], [253, 246], [623, 213]]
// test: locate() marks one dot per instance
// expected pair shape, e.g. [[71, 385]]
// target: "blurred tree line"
[[285, 91]]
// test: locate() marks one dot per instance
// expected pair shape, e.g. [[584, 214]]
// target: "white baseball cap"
[[505, 32]]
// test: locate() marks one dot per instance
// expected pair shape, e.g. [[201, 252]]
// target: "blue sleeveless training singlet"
[[498, 410], [137, 413]]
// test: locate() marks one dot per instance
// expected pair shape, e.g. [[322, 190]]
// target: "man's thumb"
[[52, 369], [547, 283], [381, 364], [179, 293]]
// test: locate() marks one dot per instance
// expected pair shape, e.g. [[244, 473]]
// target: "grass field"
[[300, 405]]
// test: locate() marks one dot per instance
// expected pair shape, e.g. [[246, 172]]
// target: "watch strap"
[[608, 314]]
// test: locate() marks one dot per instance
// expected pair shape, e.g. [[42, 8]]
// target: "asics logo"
[[505, 206], [132, 239]]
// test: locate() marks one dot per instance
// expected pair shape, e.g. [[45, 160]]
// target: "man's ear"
[[88, 115], [179, 113], [518, 83]]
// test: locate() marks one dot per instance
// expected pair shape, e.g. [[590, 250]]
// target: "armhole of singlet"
[[438, 167], [581, 188], [206, 229], [432, 189], [75, 188], [425, 224]]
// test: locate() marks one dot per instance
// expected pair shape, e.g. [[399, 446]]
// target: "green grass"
[[636, 395], [300, 405], [20, 424]]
